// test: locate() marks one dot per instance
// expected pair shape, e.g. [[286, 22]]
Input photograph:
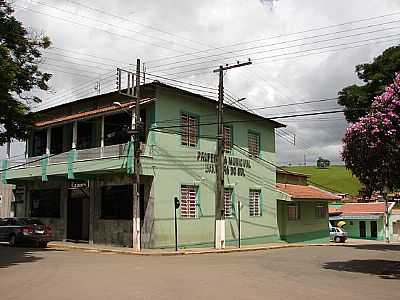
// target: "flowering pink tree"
[[372, 145]]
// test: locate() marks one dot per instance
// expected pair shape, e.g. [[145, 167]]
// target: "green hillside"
[[337, 178]]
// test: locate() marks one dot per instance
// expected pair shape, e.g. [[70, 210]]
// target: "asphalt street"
[[345, 272]]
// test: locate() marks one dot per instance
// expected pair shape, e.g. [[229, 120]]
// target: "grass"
[[336, 178]]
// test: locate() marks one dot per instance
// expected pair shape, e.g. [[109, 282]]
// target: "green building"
[[367, 220], [77, 175]]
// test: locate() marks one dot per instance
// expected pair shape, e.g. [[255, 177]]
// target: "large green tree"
[[376, 76], [20, 53]]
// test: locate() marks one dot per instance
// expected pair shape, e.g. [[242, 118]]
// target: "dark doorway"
[[78, 215], [374, 229], [362, 229]]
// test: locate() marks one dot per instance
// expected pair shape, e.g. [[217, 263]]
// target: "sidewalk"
[[194, 251], [171, 252]]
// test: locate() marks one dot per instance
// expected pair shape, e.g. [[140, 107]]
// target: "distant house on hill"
[[323, 163]]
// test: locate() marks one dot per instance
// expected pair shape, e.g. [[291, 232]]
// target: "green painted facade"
[[173, 165], [307, 228], [353, 226], [167, 165]]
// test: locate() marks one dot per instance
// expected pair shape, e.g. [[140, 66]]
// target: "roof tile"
[[305, 192]]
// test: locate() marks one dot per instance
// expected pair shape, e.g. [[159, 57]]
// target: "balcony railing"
[[112, 151]]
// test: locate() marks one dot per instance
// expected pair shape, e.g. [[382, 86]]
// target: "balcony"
[[92, 160]]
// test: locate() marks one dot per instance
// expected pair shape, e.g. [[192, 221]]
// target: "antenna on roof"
[[97, 87]]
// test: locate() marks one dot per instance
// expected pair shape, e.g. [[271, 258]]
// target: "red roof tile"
[[334, 211], [88, 114], [305, 192], [365, 208]]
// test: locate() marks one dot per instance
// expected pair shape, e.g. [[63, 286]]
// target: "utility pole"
[[136, 174], [219, 165], [132, 90], [385, 192]]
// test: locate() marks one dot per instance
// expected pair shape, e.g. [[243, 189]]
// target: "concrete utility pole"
[[220, 182], [385, 192], [133, 91], [136, 176]]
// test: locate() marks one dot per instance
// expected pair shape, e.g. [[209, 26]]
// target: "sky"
[[298, 54]]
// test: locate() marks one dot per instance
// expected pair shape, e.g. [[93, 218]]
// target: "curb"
[[183, 252]]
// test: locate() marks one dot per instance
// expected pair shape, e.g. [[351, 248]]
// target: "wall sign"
[[233, 166], [78, 184]]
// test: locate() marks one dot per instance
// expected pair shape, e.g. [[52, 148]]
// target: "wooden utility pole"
[[219, 164], [136, 174]]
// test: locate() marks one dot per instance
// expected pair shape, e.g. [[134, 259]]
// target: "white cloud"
[[216, 23]]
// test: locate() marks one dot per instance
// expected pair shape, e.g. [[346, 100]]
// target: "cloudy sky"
[[298, 54]]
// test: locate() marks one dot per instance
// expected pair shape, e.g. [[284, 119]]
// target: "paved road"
[[357, 272]]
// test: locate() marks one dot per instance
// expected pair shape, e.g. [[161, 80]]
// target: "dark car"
[[24, 230]]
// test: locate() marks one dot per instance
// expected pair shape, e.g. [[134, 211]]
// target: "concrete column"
[[102, 135], [26, 148], [64, 209], [92, 200], [9, 149], [74, 134], [48, 141], [27, 201]]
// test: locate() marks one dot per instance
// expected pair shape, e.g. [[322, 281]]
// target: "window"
[[189, 201], [254, 144], [116, 202], [320, 211], [45, 203], [87, 134], [293, 212], [228, 141], [116, 129], [56, 141], [228, 203], [189, 127], [39, 141], [254, 203]]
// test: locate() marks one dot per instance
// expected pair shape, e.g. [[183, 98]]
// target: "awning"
[[355, 217]]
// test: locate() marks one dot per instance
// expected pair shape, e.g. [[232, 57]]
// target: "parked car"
[[24, 230], [338, 235]]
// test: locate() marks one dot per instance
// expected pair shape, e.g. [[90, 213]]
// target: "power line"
[[289, 41], [278, 167], [264, 119], [112, 25], [134, 22], [283, 35], [97, 28], [285, 54], [252, 53]]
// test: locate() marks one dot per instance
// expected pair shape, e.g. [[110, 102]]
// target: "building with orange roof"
[[302, 209], [367, 220]]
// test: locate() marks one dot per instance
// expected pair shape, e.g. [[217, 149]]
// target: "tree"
[[372, 144], [376, 76], [20, 53]]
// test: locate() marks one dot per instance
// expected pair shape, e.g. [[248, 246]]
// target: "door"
[[78, 215], [74, 225], [362, 229], [374, 229]]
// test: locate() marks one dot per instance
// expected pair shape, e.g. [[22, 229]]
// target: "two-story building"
[[77, 175]]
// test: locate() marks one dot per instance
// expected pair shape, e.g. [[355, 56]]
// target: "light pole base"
[[136, 235], [220, 234]]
